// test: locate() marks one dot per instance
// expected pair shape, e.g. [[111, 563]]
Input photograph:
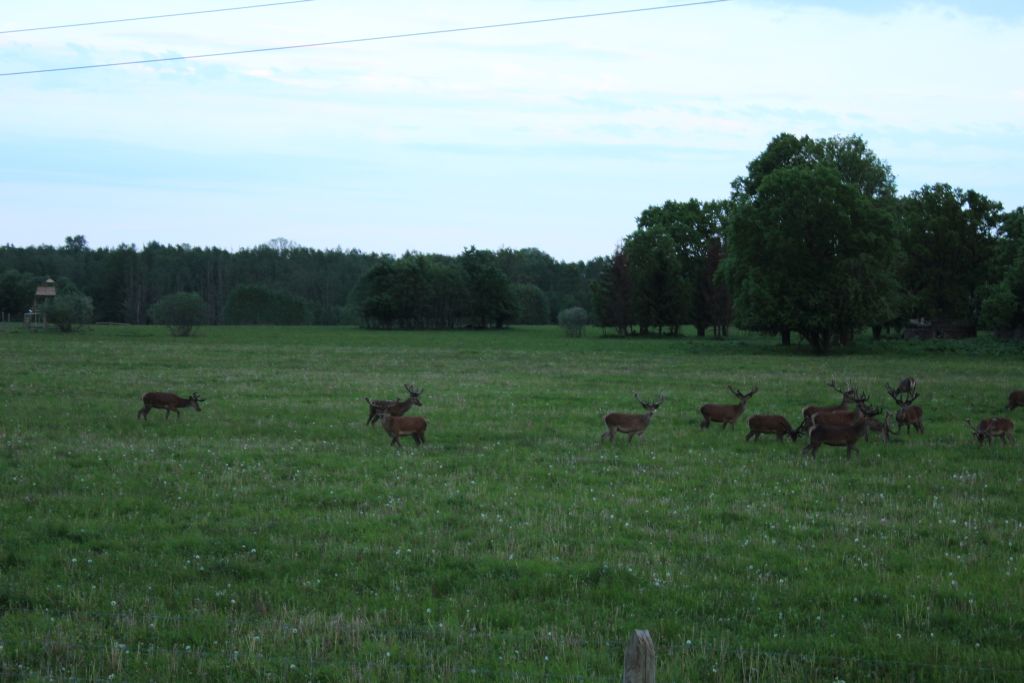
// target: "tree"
[[257, 305], [613, 293], [180, 311], [531, 305], [809, 253], [15, 292], [69, 310], [811, 240], [488, 289], [573, 321], [1002, 303], [948, 236]]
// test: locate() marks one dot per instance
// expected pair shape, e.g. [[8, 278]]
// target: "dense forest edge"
[[813, 243]]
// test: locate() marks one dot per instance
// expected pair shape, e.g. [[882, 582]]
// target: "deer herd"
[[842, 424]]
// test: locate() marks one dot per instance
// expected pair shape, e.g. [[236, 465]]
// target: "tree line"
[[813, 241]]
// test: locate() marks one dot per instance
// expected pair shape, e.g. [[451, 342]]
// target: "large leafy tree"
[[698, 236], [949, 238], [812, 244]]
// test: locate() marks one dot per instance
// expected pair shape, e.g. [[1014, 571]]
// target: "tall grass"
[[274, 536]]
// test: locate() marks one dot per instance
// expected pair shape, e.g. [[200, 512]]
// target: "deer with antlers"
[[770, 424], [725, 413], [835, 435], [908, 415], [632, 424], [809, 412], [167, 401], [395, 408], [992, 428]]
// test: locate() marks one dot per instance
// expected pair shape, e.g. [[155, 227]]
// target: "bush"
[[180, 311], [573, 321], [68, 311]]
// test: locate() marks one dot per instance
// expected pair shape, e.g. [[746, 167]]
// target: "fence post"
[[639, 664]]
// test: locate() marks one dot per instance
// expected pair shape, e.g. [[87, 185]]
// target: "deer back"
[[1016, 399], [403, 425], [769, 424]]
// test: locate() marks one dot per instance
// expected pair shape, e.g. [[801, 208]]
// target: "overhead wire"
[[351, 41], [154, 16]]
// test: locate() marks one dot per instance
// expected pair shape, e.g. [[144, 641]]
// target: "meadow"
[[275, 537]]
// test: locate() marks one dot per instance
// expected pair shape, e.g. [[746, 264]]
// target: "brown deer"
[[907, 386], [907, 416], [842, 418], [881, 426], [633, 424], [809, 412], [993, 427], [396, 407], [846, 435], [725, 413], [168, 402], [770, 424], [397, 426], [1016, 399]]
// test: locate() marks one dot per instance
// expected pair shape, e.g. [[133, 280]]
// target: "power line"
[[366, 40], [155, 16]]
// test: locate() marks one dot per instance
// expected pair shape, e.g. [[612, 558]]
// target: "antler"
[[413, 391]]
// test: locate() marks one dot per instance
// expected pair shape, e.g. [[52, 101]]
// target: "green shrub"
[[573, 321], [68, 311], [180, 311]]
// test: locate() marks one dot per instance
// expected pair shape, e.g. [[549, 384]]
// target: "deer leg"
[[750, 434], [143, 412]]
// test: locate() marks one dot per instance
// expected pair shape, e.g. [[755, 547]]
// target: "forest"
[[813, 242]]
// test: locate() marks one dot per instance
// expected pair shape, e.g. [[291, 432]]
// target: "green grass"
[[274, 536]]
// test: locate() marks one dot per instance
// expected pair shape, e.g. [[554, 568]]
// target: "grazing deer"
[[397, 426], [907, 386], [1016, 399], [907, 415], [770, 424], [168, 402], [809, 412], [632, 424], [396, 407], [725, 413], [988, 430], [846, 435], [881, 426]]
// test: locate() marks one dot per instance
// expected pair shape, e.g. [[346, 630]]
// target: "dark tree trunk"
[[786, 340]]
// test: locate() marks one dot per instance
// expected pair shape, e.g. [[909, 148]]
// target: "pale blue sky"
[[553, 135]]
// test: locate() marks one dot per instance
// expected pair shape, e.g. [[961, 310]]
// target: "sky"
[[553, 135]]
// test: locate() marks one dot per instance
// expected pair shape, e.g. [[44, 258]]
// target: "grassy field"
[[274, 536]]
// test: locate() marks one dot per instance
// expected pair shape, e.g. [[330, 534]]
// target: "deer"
[[398, 426], [770, 424], [840, 418], [907, 386], [168, 402], [882, 426], [846, 435], [1016, 399], [988, 429], [633, 424], [907, 415], [810, 411], [396, 407], [725, 413]]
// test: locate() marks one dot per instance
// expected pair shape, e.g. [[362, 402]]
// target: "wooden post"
[[639, 664]]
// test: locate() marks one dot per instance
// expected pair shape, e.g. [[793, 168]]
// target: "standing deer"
[[396, 407], [397, 426], [809, 412], [770, 424], [168, 402], [907, 415], [1016, 399], [846, 435], [633, 424], [881, 426], [988, 430], [842, 418], [725, 413]]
